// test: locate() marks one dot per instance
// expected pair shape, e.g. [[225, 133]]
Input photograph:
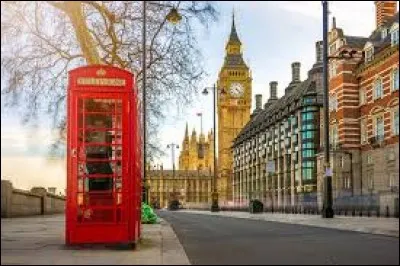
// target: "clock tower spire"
[[233, 108]]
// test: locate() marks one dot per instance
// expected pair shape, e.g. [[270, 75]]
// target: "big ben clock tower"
[[233, 108]]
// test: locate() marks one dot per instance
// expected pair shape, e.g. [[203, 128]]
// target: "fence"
[[379, 205]]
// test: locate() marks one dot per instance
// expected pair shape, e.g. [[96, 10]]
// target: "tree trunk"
[[86, 42]]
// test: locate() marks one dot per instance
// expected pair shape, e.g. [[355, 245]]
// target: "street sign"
[[271, 167]]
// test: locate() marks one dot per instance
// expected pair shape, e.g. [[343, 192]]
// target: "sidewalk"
[[40, 240], [372, 225]]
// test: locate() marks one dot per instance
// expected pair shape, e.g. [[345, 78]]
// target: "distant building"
[[197, 154], [274, 154], [191, 187]]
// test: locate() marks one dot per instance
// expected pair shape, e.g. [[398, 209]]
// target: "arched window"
[[378, 90], [395, 79]]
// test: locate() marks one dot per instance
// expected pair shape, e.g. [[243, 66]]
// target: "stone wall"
[[37, 201]]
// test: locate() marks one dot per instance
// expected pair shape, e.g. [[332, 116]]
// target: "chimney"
[[258, 101], [318, 51], [272, 90], [295, 71], [384, 10]]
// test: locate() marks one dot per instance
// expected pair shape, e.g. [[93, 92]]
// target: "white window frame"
[[369, 54], [394, 129], [379, 79], [394, 34], [395, 79], [376, 129]]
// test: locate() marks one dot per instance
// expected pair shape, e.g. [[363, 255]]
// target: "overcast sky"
[[274, 34]]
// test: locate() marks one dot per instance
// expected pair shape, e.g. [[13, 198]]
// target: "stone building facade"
[[190, 187], [197, 153], [364, 113], [274, 154]]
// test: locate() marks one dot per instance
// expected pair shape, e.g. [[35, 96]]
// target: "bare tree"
[[41, 41]]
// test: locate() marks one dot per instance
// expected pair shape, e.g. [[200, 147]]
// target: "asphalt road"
[[224, 240]]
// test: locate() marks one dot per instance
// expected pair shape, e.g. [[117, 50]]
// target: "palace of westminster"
[[274, 153]]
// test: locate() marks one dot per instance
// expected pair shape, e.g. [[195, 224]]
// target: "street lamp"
[[173, 17], [214, 196], [173, 146], [327, 211]]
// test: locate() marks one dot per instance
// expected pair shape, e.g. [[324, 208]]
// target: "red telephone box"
[[104, 162]]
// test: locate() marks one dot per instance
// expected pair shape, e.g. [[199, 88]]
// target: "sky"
[[273, 34]]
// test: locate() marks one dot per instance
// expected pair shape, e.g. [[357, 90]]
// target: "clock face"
[[236, 90]]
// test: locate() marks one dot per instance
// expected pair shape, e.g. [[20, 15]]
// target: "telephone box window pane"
[[104, 198], [103, 105], [118, 184]]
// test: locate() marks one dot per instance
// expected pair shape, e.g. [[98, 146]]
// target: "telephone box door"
[[100, 168]]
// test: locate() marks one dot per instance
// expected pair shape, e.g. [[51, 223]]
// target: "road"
[[224, 240]]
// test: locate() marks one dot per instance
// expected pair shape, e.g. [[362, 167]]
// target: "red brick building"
[[364, 111]]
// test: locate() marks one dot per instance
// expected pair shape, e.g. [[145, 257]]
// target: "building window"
[[394, 32], [369, 159], [334, 136], [362, 97], [363, 129], [383, 33], [379, 128], [370, 180], [393, 180], [347, 182], [369, 54], [395, 79], [395, 122], [378, 90]]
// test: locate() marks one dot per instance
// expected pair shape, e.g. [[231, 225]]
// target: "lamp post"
[[214, 196], [173, 146], [174, 17], [327, 211]]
